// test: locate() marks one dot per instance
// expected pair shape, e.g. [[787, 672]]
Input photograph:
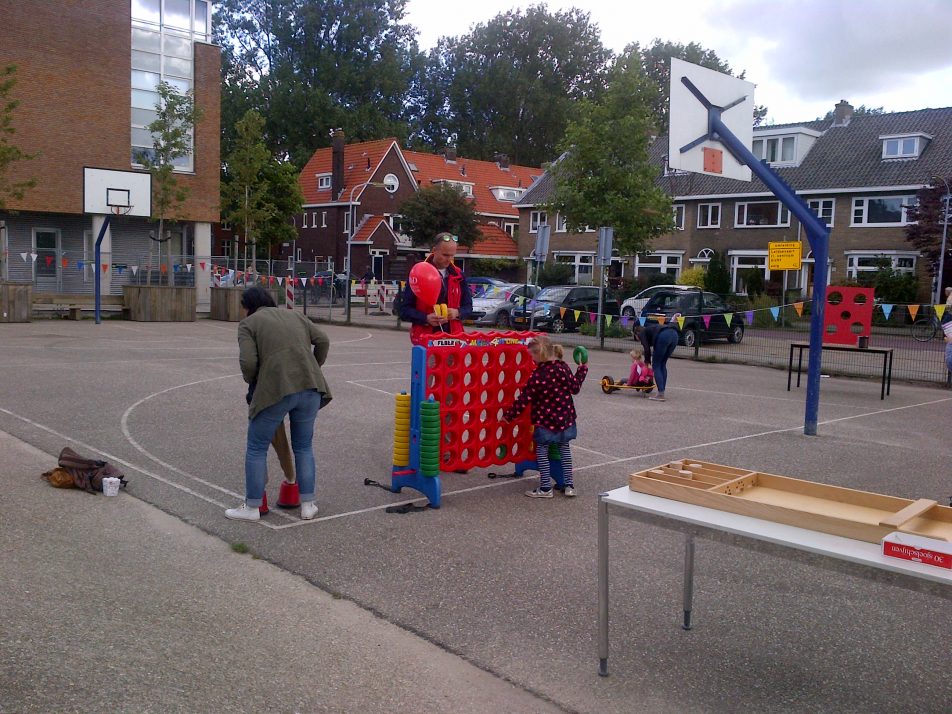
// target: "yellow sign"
[[784, 255]]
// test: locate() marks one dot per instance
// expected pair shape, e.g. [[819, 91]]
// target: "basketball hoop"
[[120, 210]]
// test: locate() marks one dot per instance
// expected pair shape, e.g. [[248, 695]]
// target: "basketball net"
[[120, 210]]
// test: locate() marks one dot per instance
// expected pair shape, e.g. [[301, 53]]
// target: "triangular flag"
[[728, 316], [577, 313], [311, 280], [798, 306], [887, 309], [270, 280], [913, 311], [592, 316], [402, 284], [680, 319], [65, 262], [642, 320], [105, 267], [562, 311], [775, 311], [49, 260], [750, 317], [608, 320], [23, 255], [625, 321], [176, 267], [188, 267], [707, 321], [939, 311], [80, 264], [280, 280], [163, 268], [320, 281], [201, 264], [134, 269], [33, 256], [120, 268]]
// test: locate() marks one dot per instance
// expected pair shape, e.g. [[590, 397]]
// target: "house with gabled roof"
[[353, 192], [860, 173]]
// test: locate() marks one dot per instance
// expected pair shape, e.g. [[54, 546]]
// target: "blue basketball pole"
[[98, 267], [818, 235]]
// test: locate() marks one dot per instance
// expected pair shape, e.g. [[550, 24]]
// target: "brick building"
[[859, 173], [86, 79]]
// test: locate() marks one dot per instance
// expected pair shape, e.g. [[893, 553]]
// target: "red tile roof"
[[494, 241], [360, 162], [369, 226]]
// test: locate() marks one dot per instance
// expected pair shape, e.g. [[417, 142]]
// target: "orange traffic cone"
[[263, 508], [289, 496]]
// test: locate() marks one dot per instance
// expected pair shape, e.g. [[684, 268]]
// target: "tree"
[[9, 153], [604, 177], [656, 62], [172, 130], [259, 192], [438, 208], [309, 66], [511, 85], [717, 279], [927, 223]]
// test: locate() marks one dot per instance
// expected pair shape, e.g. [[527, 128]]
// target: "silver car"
[[494, 305]]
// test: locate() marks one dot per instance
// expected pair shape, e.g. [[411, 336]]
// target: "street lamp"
[[350, 240], [945, 232]]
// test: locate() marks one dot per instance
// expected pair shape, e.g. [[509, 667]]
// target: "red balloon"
[[426, 282]]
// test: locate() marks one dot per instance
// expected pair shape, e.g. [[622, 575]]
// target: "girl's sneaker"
[[539, 493], [569, 492]]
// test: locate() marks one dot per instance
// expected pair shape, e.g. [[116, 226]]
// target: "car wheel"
[[628, 312], [689, 338], [559, 326], [502, 319], [736, 334]]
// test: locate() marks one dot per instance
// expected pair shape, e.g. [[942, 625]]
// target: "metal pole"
[[945, 231], [602, 586], [96, 268]]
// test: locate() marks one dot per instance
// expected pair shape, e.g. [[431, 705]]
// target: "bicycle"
[[926, 328]]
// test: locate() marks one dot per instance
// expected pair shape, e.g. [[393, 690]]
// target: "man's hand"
[[435, 320], [452, 313]]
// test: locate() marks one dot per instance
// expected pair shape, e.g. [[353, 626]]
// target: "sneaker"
[[570, 491], [656, 398], [539, 493], [244, 512], [308, 510]]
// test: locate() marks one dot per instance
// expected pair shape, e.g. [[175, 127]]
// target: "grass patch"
[[240, 548]]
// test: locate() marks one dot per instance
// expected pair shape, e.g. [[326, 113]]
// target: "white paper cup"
[[110, 486]]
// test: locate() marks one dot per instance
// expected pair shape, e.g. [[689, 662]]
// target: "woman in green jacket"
[[281, 353]]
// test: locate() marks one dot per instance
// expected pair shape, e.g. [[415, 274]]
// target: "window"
[[323, 182], [45, 244], [396, 222], [582, 265], [744, 261], [703, 257], [658, 262], [678, 209], [347, 222], [900, 147], [505, 193], [511, 228], [823, 208], [464, 188], [561, 223], [392, 183], [881, 211], [536, 219], [761, 214], [868, 262], [776, 150], [709, 215], [323, 219]]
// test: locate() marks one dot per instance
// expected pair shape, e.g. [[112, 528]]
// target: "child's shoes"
[[539, 493]]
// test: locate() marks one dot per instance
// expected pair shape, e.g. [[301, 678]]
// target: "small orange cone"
[[289, 496], [263, 508]]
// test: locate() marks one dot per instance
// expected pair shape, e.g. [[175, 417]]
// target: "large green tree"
[[9, 152], [260, 193], [604, 177], [309, 66], [511, 85], [434, 209], [927, 216], [656, 62]]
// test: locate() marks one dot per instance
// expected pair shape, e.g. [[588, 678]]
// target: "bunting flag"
[[660, 319], [33, 256], [707, 321], [49, 260], [176, 267], [65, 262], [105, 267], [201, 264], [163, 268], [80, 264], [728, 316], [120, 268], [775, 311], [320, 281], [577, 313], [592, 316], [280, 281], [913, 311], [270, 280], [887, 309], [939, 311], [311, 280], [23, 255], [608, 320], [625, 321], [680, 319], [562, 312], [798, 306], [188, 267], [750, 317], [402, 284], [642, 320]]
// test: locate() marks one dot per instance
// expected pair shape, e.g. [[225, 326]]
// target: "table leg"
[[799, 366], [688, 595], [889, 373], [602, 587], [882, 389], [789, 367]]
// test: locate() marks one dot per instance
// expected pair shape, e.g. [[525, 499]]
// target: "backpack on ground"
[[86, 474]]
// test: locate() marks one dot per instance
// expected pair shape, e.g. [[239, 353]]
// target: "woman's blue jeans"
[[302, 407], [664, 345]]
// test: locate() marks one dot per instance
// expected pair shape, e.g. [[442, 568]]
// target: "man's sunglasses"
[[455, 239]]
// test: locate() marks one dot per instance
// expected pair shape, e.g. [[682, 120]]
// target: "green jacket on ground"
[[275, 351]]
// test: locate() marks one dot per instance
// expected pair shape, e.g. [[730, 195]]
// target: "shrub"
[[613, 330], [717, 279], [693, 276], [555, 274], [754, 280]]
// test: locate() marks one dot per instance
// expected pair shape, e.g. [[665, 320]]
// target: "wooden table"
[[884, 352], [841, 555]]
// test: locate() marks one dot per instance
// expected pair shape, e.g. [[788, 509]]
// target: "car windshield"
[[496, 292], [553, 294], [672, 302]]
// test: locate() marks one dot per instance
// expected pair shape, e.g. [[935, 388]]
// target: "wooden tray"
[[830, 509]]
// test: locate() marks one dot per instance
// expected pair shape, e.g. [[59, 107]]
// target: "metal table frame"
[[886, 353], [840, 555]]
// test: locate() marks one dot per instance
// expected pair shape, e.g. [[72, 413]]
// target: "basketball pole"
[[98, 270]]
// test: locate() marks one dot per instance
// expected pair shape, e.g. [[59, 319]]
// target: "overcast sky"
[[803, 55]]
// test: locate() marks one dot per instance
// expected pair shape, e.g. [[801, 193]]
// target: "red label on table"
[[918, 555]]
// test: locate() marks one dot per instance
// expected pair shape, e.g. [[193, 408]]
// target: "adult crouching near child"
[[454, 293], [659, 342], [281, 352]]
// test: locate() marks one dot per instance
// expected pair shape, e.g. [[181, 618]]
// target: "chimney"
[[502, 160], [450, 153], [842, 113], [337, 163]]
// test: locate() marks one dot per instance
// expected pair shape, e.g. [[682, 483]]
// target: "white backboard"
[[106, 189], [688, 119]]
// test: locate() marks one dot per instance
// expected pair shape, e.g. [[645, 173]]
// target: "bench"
[[74, 304]]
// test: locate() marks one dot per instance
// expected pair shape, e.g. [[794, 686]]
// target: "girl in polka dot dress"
[[549, 391]]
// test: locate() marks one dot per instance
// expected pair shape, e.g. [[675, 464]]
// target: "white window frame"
[[741, 207], [561, 223], [704, 210], [536, 219], [760, 149], [510, 228], [347, 222], [853, 258], [703, 257], [678, 209], [665, 262], [577, 261], [861, 206], [734, 260], [899, 150], [823, 207], [324, 182]]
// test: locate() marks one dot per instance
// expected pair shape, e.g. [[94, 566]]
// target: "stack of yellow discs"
[[401, 431]]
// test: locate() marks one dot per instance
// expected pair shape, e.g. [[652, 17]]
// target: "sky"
[[803, 55]]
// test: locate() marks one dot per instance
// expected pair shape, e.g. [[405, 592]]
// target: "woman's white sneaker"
[[308, 510], [244, 512]]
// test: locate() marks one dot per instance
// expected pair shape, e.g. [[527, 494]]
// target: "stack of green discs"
[[430, 438]]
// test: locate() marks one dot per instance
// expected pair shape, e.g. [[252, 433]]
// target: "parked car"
[[632, 306], [545, 309], [494, 306], [703, 312], [479, 284]]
